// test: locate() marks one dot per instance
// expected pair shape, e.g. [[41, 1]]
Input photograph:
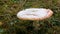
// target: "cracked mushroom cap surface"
[[34, 14]]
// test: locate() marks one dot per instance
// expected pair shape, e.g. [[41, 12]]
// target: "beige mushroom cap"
[[34, 14]]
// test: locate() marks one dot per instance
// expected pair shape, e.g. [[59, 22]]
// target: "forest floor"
[[10, 24]]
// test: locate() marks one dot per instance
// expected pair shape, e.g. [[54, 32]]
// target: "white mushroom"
[[34, 14]]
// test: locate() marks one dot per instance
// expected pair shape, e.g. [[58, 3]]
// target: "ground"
[[10, 24]]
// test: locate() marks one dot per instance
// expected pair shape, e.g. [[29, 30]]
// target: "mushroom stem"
[[36, 25]]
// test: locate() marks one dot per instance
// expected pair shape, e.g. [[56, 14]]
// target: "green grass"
[[10, 24]]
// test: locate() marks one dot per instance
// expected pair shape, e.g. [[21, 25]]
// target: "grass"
[[10, 24]]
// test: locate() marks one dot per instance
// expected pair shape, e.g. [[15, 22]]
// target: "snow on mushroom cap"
[[34, 14]]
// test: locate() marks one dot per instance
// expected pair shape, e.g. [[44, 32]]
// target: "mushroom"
[[35, 14]]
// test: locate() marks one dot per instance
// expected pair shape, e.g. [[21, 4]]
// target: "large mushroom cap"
[[34, 14]]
